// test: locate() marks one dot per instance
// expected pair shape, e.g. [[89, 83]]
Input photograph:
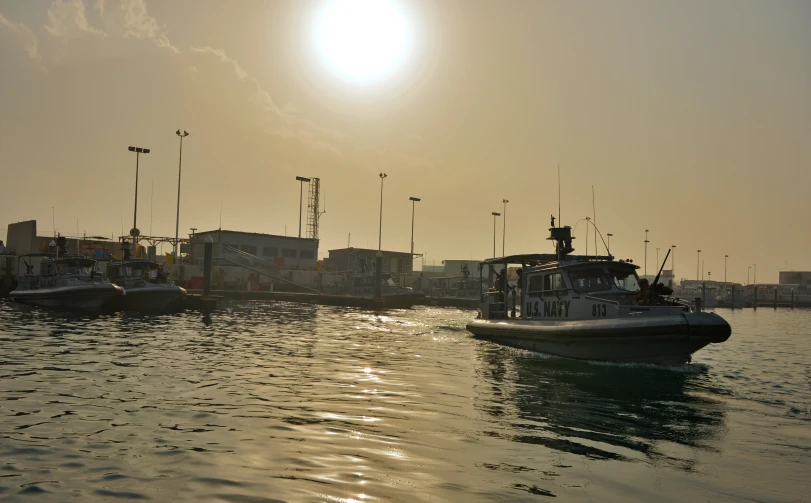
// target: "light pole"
[[494, 232], [754, 275], [504, 227], [646, 252], [698, 261], [134, 232], [608, 245], [179, 166], [747, 274], [380, 231], [413, 202], [725, 275]]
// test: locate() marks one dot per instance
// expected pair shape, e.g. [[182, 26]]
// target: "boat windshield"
[[624, 278], [590, 279], [67, 269]]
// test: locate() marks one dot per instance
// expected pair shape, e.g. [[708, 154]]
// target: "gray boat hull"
[[94, 297], [662, 340], [152, 298]]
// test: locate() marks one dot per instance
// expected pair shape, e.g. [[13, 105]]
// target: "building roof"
[[217, 231], [371, 250]]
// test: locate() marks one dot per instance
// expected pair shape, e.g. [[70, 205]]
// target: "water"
[[284, 402]]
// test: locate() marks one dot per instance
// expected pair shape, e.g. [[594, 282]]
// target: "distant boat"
[[65, 281], [588, 308], [146, 286]]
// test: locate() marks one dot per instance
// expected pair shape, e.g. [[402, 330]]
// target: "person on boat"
[[642, 297]]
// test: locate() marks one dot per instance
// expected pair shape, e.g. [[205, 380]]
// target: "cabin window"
[[592, 279], [270, 251], [625, 279], [307, 254], [536, 283], [288, 253], [552, 283]]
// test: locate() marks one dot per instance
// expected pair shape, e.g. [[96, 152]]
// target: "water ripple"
[[266, 402]]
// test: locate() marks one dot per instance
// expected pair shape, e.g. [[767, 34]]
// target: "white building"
[[285, 252]]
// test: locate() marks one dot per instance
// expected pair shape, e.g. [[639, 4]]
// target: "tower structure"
[[314, 210]]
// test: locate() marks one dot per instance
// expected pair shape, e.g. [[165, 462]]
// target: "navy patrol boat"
[[65, 281], [591, 308], [146, 285]]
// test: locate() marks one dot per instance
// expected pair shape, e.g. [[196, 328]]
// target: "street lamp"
[[179, 165], [747, 274], [504, 226], [414, 201], [380, 231], [725, 275], [608, 245], [494, 232], [134, 232], [698, 261], [646, 252]]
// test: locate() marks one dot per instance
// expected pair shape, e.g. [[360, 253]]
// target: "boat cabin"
[[136, 272], [566, 287]]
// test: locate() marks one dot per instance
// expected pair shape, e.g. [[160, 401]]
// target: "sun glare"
[[363, 41]]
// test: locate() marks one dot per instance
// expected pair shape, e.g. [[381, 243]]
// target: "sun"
[[363, 41]]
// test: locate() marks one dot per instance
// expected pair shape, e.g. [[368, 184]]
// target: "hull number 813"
[[598, 310]]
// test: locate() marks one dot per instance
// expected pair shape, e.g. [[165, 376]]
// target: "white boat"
[[589, 308], [65, 281], [146, 286]]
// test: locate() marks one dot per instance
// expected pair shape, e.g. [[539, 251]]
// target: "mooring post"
[[208, 252], [378, 275], [755, 303], [792, 298], [733, 296], [704, 293], [775, 298], [698, 305]]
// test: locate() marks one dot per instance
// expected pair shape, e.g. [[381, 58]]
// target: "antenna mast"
[[314, 211], [594, 221], [558, 194]]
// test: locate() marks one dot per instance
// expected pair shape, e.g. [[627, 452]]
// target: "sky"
[[690, 119]]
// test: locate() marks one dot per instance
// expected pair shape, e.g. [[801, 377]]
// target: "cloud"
[[23, 35], [242, 74], [137, 23], [68, 18]]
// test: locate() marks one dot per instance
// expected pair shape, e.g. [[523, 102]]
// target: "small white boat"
[[67, 281], [590, 308], [146, 286]]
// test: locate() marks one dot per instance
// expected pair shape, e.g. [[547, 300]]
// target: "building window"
[[288, 253], [236, 247], [248, 249], [270, 251], [307, 254]]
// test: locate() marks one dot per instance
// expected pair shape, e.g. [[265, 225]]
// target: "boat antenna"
[[151, 198], [558, 194], [594, 221]]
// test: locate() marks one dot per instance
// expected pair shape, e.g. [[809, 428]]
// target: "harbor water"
[[266, 402]]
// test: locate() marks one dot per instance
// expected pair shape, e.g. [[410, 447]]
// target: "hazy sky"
[[689, 118]]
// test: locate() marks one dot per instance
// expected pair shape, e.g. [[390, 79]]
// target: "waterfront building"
[[801, 278], [354, 259], [283, 251]]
